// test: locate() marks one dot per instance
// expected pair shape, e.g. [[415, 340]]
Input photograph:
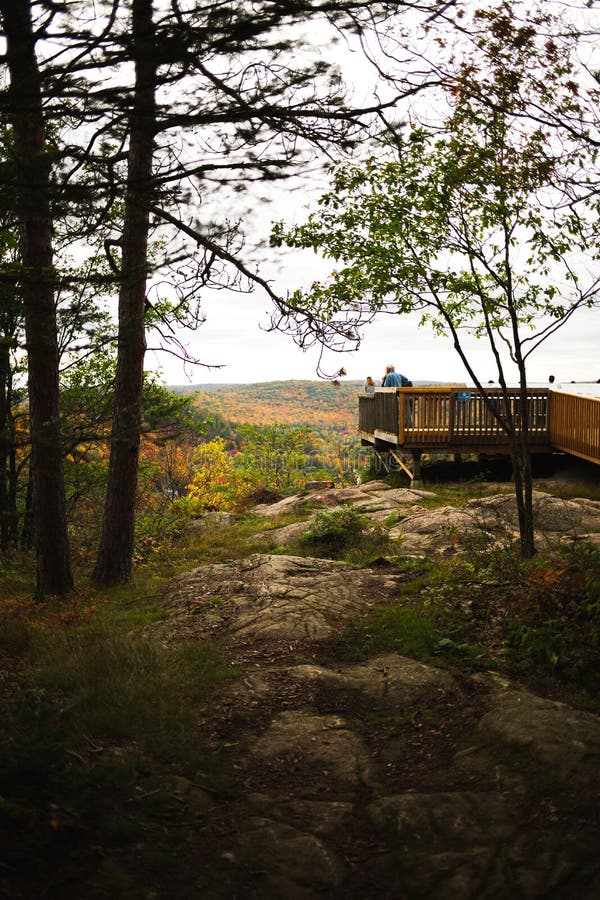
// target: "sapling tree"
[[486, 225]]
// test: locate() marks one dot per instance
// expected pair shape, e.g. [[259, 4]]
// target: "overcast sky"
[[233, 339]]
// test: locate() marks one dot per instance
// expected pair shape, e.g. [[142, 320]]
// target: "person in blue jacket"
[[395, 379], [392, 378]]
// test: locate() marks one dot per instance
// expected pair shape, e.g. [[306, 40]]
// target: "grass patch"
[[552, 629], [214, 545], [123, 688], [419, 630], [89, 714]]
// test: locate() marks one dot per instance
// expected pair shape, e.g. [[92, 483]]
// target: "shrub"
[[345, 532]]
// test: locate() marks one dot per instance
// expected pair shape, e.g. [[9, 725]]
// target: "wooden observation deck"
[[456, 419]]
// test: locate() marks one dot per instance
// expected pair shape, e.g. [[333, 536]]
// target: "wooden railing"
[[575, 424], [449, 417]]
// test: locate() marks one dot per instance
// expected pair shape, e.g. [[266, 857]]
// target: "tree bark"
[[32, 167], [115, 553], [4, 445]]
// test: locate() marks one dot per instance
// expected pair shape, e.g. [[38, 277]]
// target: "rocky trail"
[[386, 778]]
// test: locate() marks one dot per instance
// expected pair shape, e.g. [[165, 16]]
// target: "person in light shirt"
[[369, 385]]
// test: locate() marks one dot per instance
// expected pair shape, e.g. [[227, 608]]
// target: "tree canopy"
[[487, 223]]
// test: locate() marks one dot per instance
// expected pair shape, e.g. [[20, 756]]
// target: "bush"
[[345, 532]]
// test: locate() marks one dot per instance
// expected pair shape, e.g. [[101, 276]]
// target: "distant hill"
[[316, 403]]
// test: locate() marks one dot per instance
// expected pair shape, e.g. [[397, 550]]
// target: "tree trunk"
[[32, 164], [4, 445], [27, 531], [115, 553], [521, 462]]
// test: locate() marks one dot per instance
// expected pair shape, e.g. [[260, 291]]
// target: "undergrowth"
[[537, 621], [345, 533], [93, 715]]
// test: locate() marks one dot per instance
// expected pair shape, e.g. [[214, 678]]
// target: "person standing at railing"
[[552, 383], [369, 385], [395, 379]]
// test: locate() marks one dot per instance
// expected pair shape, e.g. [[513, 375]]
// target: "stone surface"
[[388, 682], [324, 745], [552, 514], [270, 597], [448, 844], [285, 535], [543, 735], [493, 520], [214, 519], [289, 858], [342, 787], [324, 817]]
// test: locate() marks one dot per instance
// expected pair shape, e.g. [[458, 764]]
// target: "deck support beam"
[[401, 463]]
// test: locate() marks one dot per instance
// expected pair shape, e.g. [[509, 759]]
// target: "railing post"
[[401, 414]]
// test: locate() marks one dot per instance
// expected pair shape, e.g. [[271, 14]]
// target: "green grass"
[[569, 491], [127, 688], [416, 630]]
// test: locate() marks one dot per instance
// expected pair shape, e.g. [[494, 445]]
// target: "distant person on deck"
[[395, 379], [369, 385], [391, 377], [553, 384]]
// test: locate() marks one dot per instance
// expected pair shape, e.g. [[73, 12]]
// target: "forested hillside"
[[320, 404]]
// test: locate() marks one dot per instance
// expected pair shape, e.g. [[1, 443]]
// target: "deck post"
[[417, 480], [451, 414], [401, 416]]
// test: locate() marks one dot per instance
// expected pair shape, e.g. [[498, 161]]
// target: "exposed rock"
[[196, 801], [444, 519], [480, 810], [437, 530], [318, 485], [444, 530], [280, 537], [547, 737], [325, 746], [494, 519], [337, 496], [390, 681], [212, 518], [374, 495], [467, 845], [403, 496], [321, 816], [282, 506], [369, 486], [267, 597], [552, 514], [289, 860]]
